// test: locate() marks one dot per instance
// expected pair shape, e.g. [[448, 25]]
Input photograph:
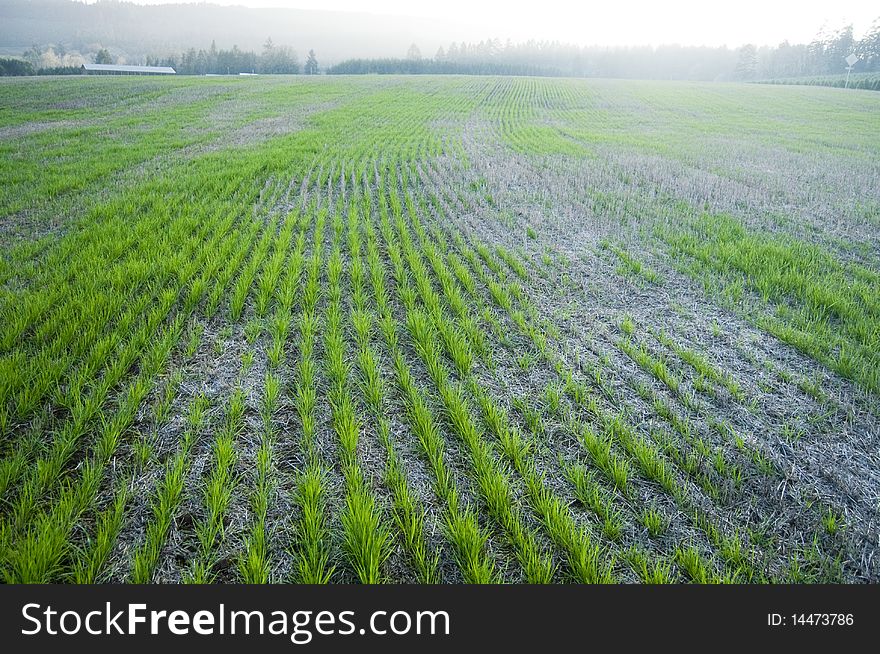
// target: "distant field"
[[438, 330]]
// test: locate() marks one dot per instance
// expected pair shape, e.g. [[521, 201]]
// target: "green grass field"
[[438, 330]]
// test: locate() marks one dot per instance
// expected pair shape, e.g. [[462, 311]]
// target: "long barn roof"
[[113, 68]]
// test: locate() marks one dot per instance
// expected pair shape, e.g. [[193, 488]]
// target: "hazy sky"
[[618, 22]]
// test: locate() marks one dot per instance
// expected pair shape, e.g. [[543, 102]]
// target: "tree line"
[[273, 60], [823, 56], [435, 67]]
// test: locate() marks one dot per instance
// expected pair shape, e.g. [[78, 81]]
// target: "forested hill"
[[134, 31]]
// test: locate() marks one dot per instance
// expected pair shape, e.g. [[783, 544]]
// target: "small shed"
[[113, 69]]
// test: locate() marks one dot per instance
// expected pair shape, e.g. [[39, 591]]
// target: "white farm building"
[[113, 69]]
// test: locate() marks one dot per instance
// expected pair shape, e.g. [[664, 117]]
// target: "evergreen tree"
[[311, 67], [868, 49], [747, 64], [33, 55], [839, 48]]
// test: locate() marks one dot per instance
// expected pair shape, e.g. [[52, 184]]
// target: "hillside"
[[136, 30]]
